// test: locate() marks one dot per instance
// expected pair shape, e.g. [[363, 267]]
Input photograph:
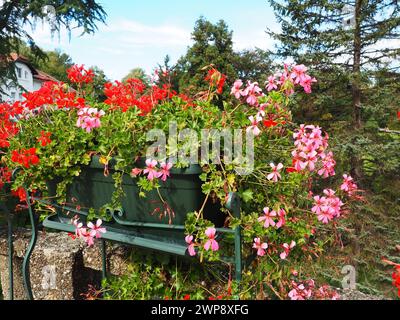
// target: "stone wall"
[[61, 268]]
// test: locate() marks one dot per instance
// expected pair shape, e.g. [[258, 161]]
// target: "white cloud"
[[125, 44], [132, 33]]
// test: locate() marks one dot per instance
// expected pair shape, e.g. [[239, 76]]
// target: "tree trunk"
[[356, 81]]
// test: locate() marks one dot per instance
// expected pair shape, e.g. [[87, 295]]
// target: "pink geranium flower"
[[191, 245], [78, 227], [236, 89], [307, 82], [151, 170], [328, 165], [298, 73], [275, 175], [211, 242], [96, 230], [286, 249], [135, 172], [164, 172], [254, 125], [87, 237], [282, 220], [326, 214], [89, 118], [252, 92], [267, 217], [319, 204], [271, 83], [329, 193], [260, 246], [348, 184]]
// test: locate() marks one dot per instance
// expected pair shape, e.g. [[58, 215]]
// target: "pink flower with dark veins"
[[260, 246], [211, 242], [267, 217], [151, 170]]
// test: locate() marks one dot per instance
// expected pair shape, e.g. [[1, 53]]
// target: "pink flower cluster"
[[301, 291], [152, 171], [348, 185], [307, 290], [250, 93], [327, 207], [296, 74], [311, 147], [211, 243], [89, 118], [89, 233], [269, 215]]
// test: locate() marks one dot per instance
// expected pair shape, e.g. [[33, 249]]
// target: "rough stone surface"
[[348, 294], [116, 258], [60, 268]]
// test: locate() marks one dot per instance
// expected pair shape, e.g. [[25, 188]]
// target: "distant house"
[[29, 78]]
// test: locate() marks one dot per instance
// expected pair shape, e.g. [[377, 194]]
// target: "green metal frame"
[[233, 204], [28, 253], [31, 247], [10, 250]]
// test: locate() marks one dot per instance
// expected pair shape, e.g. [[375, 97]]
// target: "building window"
[[19, 72]]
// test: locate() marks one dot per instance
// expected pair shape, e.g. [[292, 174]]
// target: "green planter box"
[[140, 216]]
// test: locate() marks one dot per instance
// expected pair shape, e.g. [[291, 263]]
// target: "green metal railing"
[[233, 204]]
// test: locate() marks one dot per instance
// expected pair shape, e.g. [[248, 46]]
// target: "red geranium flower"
[[78, 74], [270, 123], [216, 79], [44, 138], [25, 157]]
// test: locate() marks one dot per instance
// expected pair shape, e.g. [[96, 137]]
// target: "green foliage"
[[154, 276], [313, 33], [137, 73], [212, 45], [254, 65], [16, 17]]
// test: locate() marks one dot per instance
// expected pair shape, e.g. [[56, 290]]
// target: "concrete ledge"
[[61, 268]]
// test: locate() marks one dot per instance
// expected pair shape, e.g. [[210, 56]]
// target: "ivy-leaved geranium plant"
[[55, 131]]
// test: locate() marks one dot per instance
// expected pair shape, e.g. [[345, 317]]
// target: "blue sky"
[[141, 33]]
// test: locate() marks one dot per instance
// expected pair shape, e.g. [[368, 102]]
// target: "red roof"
[[37, 74], [42, 76]]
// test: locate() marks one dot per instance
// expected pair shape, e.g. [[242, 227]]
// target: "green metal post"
[[233, 204], [10, 256], [27, 257], [104, 258]]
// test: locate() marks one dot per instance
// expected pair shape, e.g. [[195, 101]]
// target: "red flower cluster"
[[216, 79], [20, 193], [78, 74], [44, 138], [25, 157], [52, 93], [130, 94], [8, 128]]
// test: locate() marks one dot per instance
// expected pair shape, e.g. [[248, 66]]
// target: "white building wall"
[[25, 79]]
